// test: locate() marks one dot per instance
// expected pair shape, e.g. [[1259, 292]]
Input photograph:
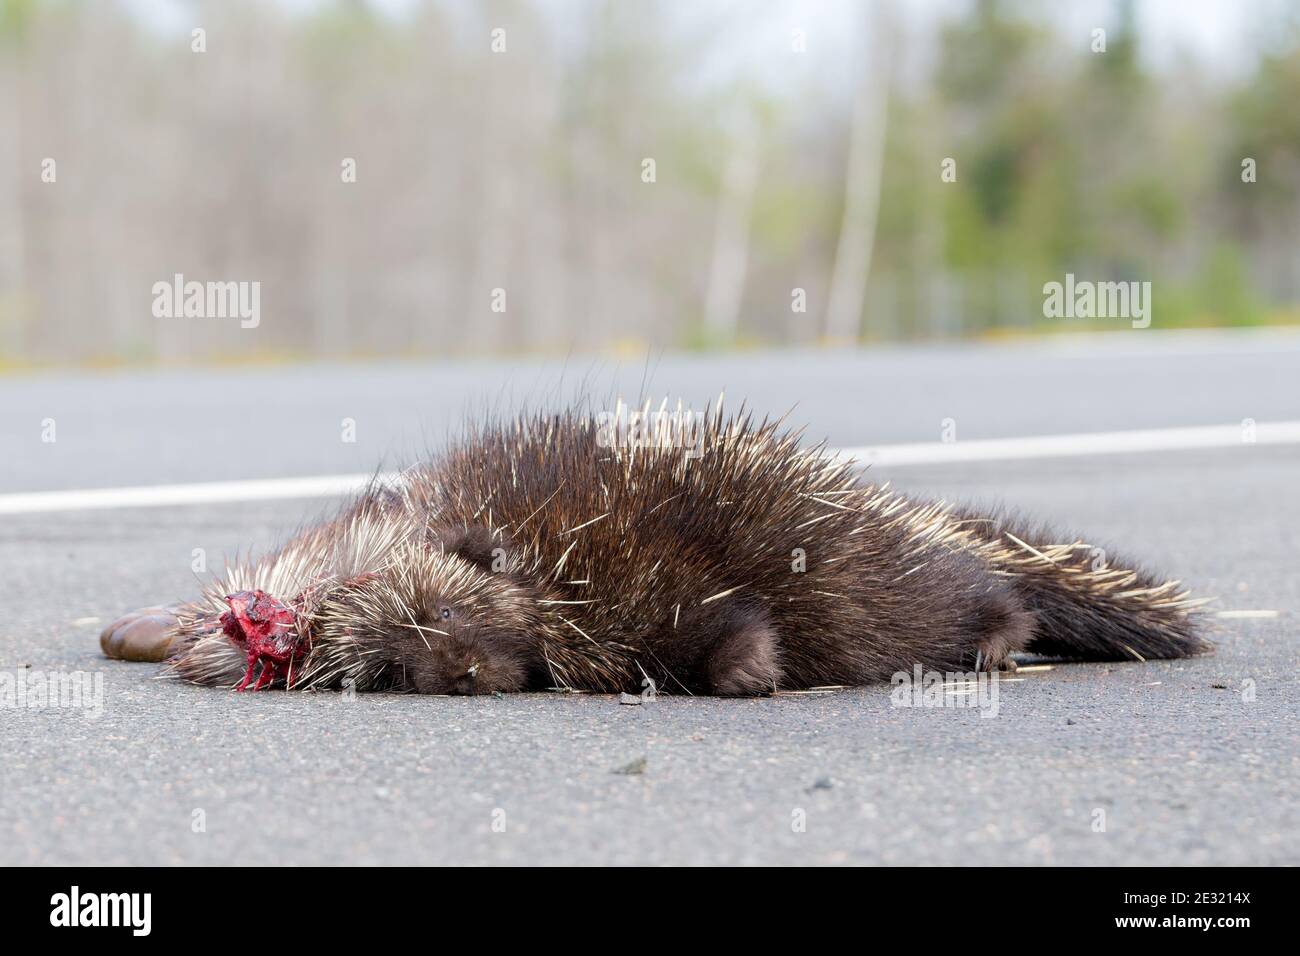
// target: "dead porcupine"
[[543, 552]]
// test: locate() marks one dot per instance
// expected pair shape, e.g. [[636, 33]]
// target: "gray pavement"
[[133, 427], [1192, 762]]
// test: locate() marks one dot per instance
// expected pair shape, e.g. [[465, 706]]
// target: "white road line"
[[925, 453], [1087, 443], [206, 492]]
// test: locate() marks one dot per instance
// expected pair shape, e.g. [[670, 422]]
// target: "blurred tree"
[[862, 176], [525, 169]]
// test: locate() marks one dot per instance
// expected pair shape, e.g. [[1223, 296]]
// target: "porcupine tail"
[[1088, 605]]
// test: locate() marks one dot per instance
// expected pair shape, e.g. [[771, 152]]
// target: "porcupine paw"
[[746, 659], [1005, 628], [144, 635]]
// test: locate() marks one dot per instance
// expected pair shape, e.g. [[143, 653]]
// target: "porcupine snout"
[[467, 661]]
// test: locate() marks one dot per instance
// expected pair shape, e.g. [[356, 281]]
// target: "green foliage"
[[1223, 289], [1072, 161], [15, 16]]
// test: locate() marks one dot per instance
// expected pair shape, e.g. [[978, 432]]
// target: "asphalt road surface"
[[1193, 762]]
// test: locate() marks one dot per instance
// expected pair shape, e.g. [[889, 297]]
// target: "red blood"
[[267, 631]]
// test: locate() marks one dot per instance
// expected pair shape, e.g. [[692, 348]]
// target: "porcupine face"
[[473, 636], [470, 656]]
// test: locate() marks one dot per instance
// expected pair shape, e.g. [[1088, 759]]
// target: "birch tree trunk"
[[730, 261], [15, 293], [862, 179]]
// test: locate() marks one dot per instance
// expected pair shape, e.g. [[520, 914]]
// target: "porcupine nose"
[[467, 683]]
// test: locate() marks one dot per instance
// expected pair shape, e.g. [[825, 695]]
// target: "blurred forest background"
[[797, 192]]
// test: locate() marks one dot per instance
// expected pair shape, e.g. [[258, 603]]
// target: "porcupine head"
[[441, 619]]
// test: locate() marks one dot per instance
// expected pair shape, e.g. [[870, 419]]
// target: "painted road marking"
[[888, 456]]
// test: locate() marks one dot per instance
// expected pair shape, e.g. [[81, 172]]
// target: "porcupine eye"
[[445, 612]]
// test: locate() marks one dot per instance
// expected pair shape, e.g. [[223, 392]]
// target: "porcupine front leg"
[[730, 649]]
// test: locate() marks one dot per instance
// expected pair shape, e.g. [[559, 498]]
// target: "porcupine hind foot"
[[731, 650], [1004, 627], [149, 634], [746, 659]]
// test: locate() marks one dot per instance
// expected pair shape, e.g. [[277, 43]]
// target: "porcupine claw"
[[267, 630]]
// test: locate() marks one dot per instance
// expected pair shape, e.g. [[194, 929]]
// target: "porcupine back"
[[643, 539]]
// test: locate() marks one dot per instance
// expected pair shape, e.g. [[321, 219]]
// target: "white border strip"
[[926, 453]]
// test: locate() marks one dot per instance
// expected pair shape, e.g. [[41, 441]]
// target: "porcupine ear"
[[476, 544]]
